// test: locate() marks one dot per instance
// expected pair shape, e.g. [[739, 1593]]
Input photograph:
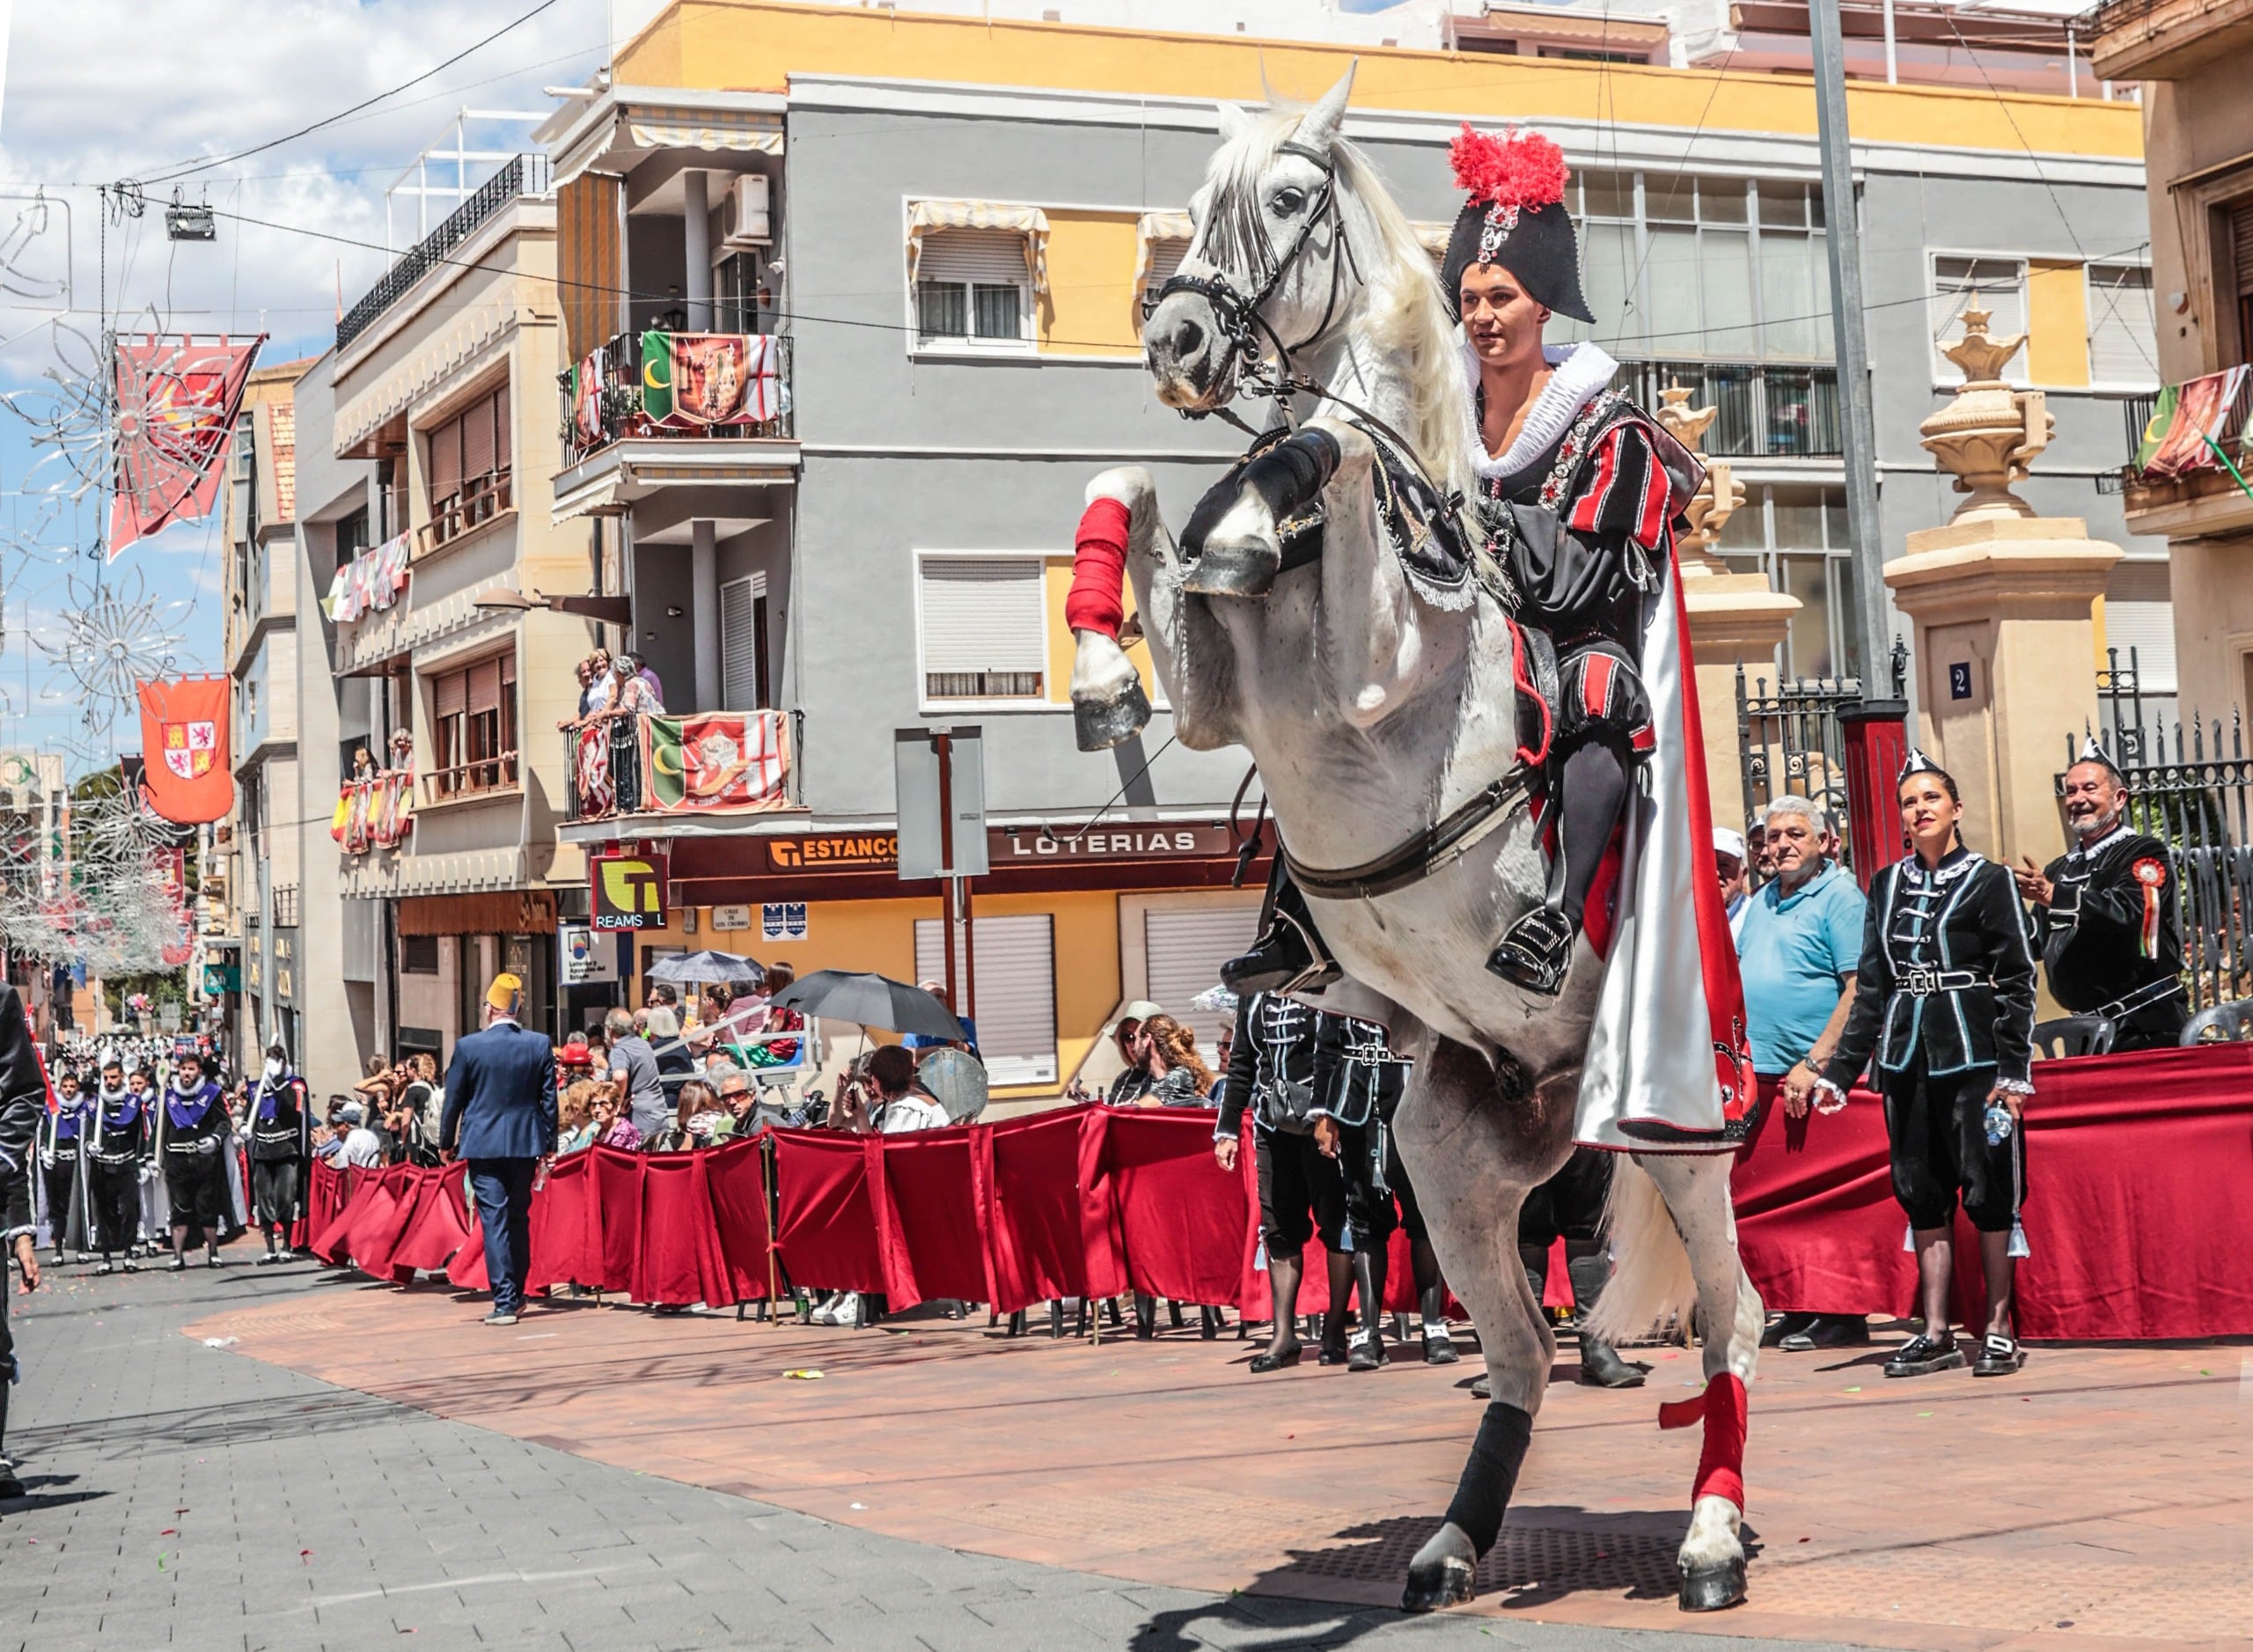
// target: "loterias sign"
[[628, 892]]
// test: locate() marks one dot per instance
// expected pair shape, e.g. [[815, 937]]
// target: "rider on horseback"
[[1575, 495]]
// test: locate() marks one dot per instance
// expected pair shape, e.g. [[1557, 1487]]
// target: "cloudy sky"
[[97, 90]]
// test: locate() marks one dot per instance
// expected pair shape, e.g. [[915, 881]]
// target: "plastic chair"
[[2227, 1023], [2073, 1035]]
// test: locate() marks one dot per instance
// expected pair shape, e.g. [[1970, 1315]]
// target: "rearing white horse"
[[1377, 708]]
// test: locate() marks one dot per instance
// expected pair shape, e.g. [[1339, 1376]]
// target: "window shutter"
[[740, 642], [501, 446], [2123, 331], [985, 613], [1165, 263], [445, 460], [1015, 960], [969, 255], [484, 686], [450, 693], [2148, 629], [1185, 947], [2241, 241]]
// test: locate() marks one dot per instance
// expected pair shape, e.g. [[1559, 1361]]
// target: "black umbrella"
[[873, 1001], [697, 969]]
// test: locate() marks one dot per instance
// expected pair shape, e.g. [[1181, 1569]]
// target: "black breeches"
[[1361, 1158], [1935, 1127], [196, 1186], [61, 1180], [1591, 788], [1301, 1192], [1569, 1206], [115, 1192], [1396, 1177], [274, 1185]]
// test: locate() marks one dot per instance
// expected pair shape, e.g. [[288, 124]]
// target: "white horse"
[[1374, 712]]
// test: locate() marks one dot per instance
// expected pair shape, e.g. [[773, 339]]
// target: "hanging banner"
[[627, 891], [188, 778], [2185, 422], [176, 398], [696, 380], [719, 762]]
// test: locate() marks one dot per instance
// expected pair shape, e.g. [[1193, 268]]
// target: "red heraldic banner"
[[177, 397], [189, 778]]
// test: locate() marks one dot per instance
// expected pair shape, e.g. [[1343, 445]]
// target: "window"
[[1165, 263], [984, 623], [743, 644], [418, 954], [474, 727], [1015, 963], [1998, 287], [468, 467], [351, 536], [971, 288], [1184, 948], [2123, 331], [2237, 219], [735, 293], [1796, 538]]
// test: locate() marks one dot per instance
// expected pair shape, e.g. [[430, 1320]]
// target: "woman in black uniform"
[[1944, 996], [196, 1128], [1357, 1085], [117, 1146]]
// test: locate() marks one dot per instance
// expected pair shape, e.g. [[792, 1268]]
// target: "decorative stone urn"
[[1988, 437]]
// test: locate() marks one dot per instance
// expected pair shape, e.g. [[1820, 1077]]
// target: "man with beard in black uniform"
[[2104, 914]]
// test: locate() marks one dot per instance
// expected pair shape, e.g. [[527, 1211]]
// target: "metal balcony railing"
[[604, 399], [476, 502], [285, 905], [1765, 410], [524, 175], [462, 780]]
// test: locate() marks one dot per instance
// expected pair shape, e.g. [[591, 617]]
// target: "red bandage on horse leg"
[[1721, 1466], [1096, 602]]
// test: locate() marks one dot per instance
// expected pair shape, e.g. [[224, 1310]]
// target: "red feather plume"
[[1517, 169]]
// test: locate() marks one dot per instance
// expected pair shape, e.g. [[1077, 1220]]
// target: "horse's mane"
[[1408, 316]]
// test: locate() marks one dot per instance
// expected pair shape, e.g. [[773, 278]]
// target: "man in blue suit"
[[500, 1115]]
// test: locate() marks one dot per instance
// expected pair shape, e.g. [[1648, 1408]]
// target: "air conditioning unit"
[[747, 222]]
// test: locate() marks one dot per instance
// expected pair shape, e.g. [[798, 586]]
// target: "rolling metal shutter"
[[974, 255], [1016, 959], [1185, 947], [984, 616]]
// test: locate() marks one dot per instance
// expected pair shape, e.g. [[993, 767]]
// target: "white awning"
[[706, 132], [929, 218], [1150, 229]]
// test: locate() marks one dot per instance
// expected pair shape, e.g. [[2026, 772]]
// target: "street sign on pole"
[[1857, 421], [939, 784]]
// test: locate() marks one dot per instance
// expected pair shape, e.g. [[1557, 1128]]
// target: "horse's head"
[[1269, 267]]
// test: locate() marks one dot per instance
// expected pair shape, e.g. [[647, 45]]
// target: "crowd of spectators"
[[612, 685]]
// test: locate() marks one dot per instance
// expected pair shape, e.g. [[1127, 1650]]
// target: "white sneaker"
[[826, 1314], [847, 1308]]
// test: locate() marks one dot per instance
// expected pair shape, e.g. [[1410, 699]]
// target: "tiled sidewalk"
[[2101, 1497]]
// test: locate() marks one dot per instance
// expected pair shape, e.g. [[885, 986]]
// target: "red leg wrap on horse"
[[1721, 1466], [1097, 601]]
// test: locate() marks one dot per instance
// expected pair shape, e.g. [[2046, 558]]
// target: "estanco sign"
[[838, 850], [627, 891], [1008, 846]]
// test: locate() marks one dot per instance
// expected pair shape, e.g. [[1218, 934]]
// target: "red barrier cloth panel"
[[566, 1227], [468, 1271], [1180, 1218], [372, 1223], [734, 1179], [1102, 1251], [329, 1232], [617, 1207], [439, 1226], [929, 1218], [415, 1194], [1031, 1209], [826, 1234], [2135, 1165], [679, 1261]]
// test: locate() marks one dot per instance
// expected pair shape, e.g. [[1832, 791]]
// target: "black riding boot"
[[1601, 1366], [1369, 1268], [1590, 787], [1289, 956]]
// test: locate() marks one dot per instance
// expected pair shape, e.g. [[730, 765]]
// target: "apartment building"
[[2193, 62], [929, 236]]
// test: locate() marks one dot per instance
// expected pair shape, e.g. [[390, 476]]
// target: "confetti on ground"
[[1856, 1389], [857, 1505], [221, 1342], [804, 1377]]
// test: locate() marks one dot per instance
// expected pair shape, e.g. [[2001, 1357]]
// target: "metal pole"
[[1892, 64], [942, 743], [1857, 418]]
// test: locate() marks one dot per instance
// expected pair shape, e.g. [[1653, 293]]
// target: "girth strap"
[[1422, 855]]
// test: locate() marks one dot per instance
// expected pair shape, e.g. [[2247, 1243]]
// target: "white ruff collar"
[[1583, 372]]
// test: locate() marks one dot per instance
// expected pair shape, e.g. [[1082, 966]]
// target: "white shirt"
[[912, 1112], [362, 1149]]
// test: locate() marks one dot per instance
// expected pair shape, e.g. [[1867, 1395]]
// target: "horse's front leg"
[[1730, 1316], [1232, 545], [1121, 520], [1473, 1155]]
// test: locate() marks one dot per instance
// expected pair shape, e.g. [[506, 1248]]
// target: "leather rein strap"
[[1423, 855]]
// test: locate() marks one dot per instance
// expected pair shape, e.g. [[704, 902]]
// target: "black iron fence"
[[1789, 743], [602, 759], [2190, 786], [602, 398], [524, 175]]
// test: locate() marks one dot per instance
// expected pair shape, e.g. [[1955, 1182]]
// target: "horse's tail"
[[1652, 1287]]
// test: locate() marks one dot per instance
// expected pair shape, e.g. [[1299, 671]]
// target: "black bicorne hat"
[[1515, 217]]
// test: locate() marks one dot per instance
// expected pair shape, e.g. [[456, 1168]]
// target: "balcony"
[[496, 772], [1767, 411], [2183, 485], [658, 408], [374, 813], [2164, 39], [700, 763], [524, 175], [479, 500]]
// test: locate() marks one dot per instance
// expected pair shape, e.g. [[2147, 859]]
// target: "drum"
[[957, 1080]]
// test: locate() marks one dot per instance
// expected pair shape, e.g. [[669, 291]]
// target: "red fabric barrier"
[[371, 1224], [1031, 1209], [678, 1261], [2132, 1216], [566, 1227], [736, 1179], [468, 1271], [329, 1231], [439, 1226], [616, 1217], [826, 1233], [1180, 1218], [927, 1213]]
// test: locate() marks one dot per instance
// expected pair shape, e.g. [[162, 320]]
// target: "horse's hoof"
[[1441, 1573], [1234, 571], [1714, 1588], [1100, 724]]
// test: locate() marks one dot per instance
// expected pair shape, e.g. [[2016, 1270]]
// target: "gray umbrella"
[[873, 1001], [698, 969]]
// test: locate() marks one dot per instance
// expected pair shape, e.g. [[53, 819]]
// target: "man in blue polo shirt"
[[1801, 938]]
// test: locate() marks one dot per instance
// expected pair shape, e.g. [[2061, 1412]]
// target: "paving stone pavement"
[[184, 1496]]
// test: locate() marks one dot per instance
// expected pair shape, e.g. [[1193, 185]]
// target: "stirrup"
[[1536, 952], [1285, 960]]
